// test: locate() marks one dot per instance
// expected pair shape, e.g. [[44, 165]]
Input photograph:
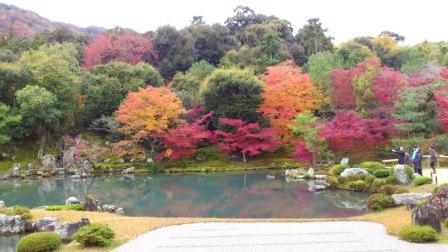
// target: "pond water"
[[245, 195]]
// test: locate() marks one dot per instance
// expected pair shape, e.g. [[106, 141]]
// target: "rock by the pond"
[[120, 160], [85, 167], [354, 172], [200, 158], [4, 155], [109, 208], [344, 161], [76, 176], [72, 201], [91, 204], [2, 204], [315, 188], [129, 170], [310, 172], [49, 162], [68, 158], [43, 223], [439, 201], [14, 171], [66, 230], [409, 199], [30, 167], [270, 176], [119, 211], [401, 175], [426, 215], [11, 224]]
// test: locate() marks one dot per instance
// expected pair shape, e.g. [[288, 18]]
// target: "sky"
[[417, 20]]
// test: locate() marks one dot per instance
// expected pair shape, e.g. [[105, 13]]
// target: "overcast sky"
[[417, 20]]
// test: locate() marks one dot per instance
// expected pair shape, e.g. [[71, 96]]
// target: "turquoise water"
[[247, 195]]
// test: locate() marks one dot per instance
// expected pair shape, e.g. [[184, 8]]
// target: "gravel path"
[[262, 236]]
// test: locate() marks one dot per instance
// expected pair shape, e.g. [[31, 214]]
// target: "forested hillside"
[[247, 86]]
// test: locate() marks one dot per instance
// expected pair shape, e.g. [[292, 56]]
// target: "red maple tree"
[[127, 47], [301, 152], [387, 86], [246, 138], [343, 94], [348, 132], [442, 108]]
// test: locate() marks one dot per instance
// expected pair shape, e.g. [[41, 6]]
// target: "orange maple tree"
[[287, 92], [149, 111]]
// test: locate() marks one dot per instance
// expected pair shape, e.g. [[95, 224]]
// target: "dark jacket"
[[418, 161], [433, 155], [401, 156]]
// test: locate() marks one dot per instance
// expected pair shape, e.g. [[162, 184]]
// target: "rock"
[[320, 176], [344, 161], [409, 199], [42, 224], [68, 159], [354, 172], [121, 160], [200, 158], [129, 170], [109, 208], [310, 172], [401, 176], [149, 160], [4, 155], [416, 175], [2, 204], [11, 224], [108, 144], [14, 171], [76, 176], [426, 215], [66, 230], [439, 201], [30, 167], [119, 211], [270, 176], [49, 162], [72, 201], [91, 204], [315, 188]]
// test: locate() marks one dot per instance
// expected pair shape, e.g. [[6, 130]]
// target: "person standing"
[[433, 155], [401, 155], [418, 161]]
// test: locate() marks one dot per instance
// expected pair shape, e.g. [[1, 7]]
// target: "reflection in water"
[[8, 243], [193, 195]]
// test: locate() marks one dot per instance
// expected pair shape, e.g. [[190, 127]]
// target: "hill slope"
[[26, 23]]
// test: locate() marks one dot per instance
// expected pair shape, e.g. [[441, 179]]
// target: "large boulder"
[[409, 199], [439, 201], [129, 170], [68, 158], [2, 204], [401, 176], [11, 224], [72, 201], [14, 171], [49, 162], [109, 208], [354, 172], [42, 224], [91, 204], [85, 167], [64, 230], [426, 215]]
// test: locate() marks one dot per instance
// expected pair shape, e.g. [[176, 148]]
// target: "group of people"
[[415, 159]]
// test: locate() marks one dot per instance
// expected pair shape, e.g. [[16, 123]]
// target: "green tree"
[[353, 53], [313, 38], [233, 93], [40, 114], [8, 120], [272, 52], [12, 78]]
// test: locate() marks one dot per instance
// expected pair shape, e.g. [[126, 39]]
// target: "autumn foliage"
[[388, 85], [348, 132], [287, 92], [301, 152], [127, 47], [442, 108], [184, 140], [245, 138]]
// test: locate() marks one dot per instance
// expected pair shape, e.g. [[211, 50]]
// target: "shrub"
[[444, 185], [409, 171], [387, 189], [370, 179], [445, 222], [378, 183], [369, 165], [95, 235], [39, 242], [332, 181], [422, 180], [76, 207], [381, 173], [358, 185], [338, 169], [380, 201], [419, 234], [24, 212], [390, 180], [342, 180]]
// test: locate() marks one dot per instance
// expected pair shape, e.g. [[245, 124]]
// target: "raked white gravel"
[[262, 236]]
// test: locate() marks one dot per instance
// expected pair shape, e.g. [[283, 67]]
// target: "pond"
[[242, 195]]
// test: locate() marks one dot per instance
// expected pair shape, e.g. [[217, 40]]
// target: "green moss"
[[418, 234], [390, 180], [372, 165], [338, 169], [75, 207], [380, 202], [378, 183], [422, 180], [358, 185], [95, 235], [369, 179], [24, 212], [332, 181], [39, 242], [381, 173]]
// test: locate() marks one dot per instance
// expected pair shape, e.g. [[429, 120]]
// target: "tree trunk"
[[244, 157], [43, 140]]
